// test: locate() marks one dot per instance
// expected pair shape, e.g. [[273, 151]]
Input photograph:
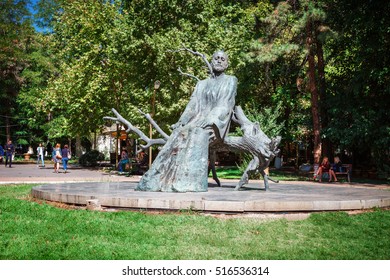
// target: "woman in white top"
[[40, 155]]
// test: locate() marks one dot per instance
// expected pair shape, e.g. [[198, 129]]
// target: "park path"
[[31, 173]]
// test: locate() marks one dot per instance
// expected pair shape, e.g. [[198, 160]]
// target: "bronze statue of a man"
[[182, 164]]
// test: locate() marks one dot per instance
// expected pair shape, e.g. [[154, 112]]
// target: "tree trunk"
[[94, 145], [327, 149], [79, 151], [7, 128], [116, 145], [313, 92]]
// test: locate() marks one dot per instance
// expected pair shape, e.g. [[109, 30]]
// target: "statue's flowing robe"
[[182, 163]]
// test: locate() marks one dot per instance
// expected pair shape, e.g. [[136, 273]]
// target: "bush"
[[91, 158]]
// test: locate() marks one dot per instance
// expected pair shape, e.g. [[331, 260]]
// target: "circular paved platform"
[[282, 197]]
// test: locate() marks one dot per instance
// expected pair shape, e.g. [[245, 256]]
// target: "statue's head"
[[219, 62]]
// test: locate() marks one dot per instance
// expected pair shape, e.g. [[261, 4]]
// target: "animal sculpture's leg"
[[244, 178], [265, 177], [215, 177]]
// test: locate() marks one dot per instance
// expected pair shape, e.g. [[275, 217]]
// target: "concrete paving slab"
[[111, 190], [282, 197]]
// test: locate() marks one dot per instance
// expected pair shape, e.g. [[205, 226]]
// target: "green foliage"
[[277, 61], [268, 118], [112, 54], [31, 104], [162, 27], [358, 80], [15, 36], [96, 55], [91, 74], [228, 173], [236, 173], [45, 11], [41, 232], [91, 158]]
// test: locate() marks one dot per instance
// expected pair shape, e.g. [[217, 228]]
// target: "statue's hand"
[[176, 125], [203, 123]]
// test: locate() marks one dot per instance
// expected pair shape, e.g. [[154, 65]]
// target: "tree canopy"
[[323, 65], [15, 38]]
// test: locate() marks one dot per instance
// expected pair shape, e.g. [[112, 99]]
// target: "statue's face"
[[219, 61]]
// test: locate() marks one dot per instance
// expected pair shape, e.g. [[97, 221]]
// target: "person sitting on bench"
[[338, 165], [124, 161], [325, 168]]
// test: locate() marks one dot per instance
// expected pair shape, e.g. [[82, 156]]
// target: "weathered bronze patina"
[[182, 164]]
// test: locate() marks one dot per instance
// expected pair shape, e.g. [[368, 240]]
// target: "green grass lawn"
[[235, 173], [29, 230], [232, 172]]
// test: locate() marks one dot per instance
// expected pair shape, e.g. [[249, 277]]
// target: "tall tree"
[[88, 37], [291, 43], [313, 84], [113, 53], [31, 103], [15, 35], [359, 81]]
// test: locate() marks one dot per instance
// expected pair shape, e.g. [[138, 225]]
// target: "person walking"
[[40, 155], [65, 157], [57, 157], [1, 153]]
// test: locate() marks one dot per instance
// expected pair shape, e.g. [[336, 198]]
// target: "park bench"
[[134, 167], [310, 170], [346, 171]]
